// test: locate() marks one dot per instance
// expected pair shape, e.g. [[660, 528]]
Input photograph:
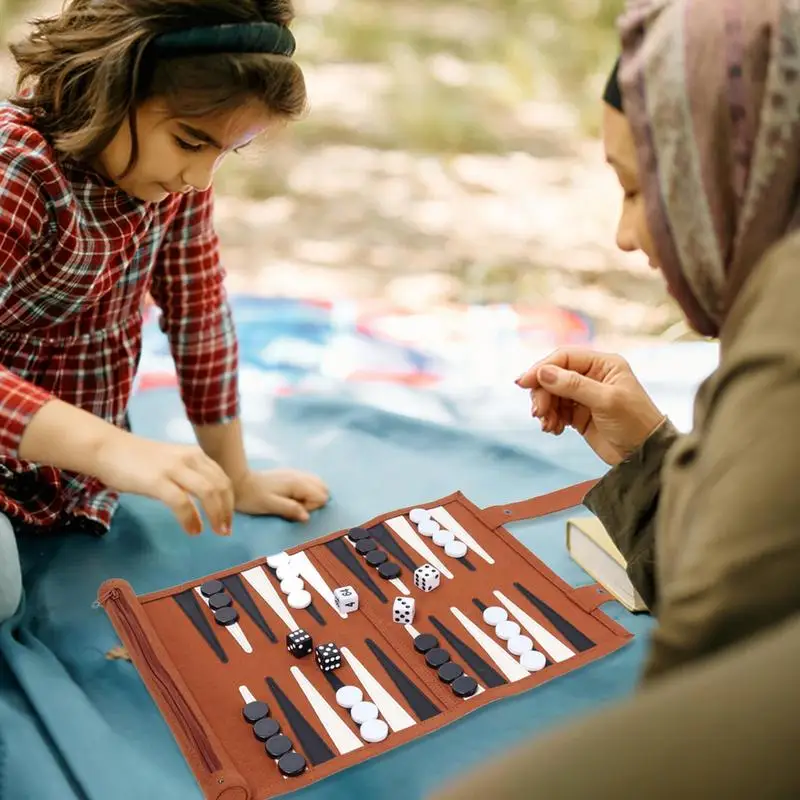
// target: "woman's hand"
[[595, 393], [286, 493]]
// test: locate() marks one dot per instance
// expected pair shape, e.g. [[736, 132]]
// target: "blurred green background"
[[450, 155], [460, 70]]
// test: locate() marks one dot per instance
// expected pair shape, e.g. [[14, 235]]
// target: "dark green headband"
[[251, 37], [612, 93]]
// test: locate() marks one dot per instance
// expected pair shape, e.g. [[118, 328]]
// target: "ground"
[[450, 154]]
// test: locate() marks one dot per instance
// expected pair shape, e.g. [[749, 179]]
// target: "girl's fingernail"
[[226, 530]]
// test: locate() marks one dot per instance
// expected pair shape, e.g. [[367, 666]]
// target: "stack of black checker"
[[368, 548], [220, 602], [448, 671], [277, 745]]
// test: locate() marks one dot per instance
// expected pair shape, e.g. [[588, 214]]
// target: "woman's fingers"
[[581, 417], [565, 414], [573, 359], [542, 400], [577, 359]]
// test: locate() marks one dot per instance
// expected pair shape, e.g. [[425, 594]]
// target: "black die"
[[299, 643], [328, 657]]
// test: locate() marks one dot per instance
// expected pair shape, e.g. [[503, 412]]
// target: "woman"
[[705, 139], [702, 126]]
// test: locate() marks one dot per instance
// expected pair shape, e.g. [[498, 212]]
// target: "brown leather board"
[[199, 696]]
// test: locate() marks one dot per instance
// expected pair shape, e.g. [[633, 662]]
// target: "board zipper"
[[172, 696]]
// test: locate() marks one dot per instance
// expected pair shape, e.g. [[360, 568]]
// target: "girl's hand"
[[595, 393], [176, 475], [285, 493]]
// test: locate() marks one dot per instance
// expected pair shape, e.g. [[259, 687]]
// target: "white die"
[[403, 610], [427, 577], [346, 599]]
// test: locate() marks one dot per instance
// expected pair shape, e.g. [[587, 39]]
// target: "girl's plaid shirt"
[[78, 259]]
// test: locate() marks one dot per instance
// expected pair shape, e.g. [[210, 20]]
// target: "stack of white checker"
[[517, 643], [364, 713], [288, 573], [442, 537]]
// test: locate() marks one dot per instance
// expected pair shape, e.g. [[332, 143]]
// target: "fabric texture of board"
[[195, 665]]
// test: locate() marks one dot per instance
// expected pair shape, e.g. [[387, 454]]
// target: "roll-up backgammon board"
[[298, 665]]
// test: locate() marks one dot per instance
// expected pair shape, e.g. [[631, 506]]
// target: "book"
[[590, 546]]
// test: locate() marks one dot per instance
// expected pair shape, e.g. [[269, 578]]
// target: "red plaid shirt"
[[78, 258]]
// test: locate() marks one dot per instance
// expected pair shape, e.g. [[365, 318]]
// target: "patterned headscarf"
[[711, 89]]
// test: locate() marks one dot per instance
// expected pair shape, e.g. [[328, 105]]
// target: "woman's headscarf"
[[711, 89]]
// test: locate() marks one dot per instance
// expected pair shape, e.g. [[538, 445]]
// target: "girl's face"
[[632, 231], [178, 155]]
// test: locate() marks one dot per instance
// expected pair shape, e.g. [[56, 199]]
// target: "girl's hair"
[[84, 72]]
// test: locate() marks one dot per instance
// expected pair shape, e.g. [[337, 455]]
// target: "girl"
[[124, 112]]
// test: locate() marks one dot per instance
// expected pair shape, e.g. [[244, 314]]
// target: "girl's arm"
[[188, 286], [23, 223], [224, 444], [37, 427]]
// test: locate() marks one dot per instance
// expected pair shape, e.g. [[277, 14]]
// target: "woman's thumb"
[[570, 385]]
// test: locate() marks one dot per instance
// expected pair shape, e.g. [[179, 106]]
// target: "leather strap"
[[591, 597], [497, 516]]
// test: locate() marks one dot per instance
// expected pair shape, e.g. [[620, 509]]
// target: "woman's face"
[[632, 231]]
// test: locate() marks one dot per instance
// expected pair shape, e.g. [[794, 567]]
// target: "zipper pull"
[[109, 594]]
